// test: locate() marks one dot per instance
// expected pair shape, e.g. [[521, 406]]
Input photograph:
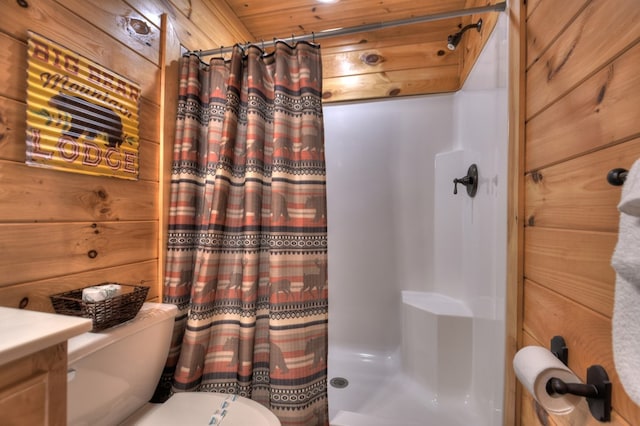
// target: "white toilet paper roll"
[[534, 366]]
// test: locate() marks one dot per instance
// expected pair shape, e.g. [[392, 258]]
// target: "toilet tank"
[[114, 372]]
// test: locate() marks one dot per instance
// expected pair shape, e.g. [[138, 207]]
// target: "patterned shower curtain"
[[247, 248]]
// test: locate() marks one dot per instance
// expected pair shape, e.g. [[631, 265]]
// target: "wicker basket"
[[106, 313]]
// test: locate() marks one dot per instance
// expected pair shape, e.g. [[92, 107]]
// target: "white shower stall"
[[417, 275]]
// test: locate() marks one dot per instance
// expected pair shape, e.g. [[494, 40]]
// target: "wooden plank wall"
[[582, 119], [51, 220]]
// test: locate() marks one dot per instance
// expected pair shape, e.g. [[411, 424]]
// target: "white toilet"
[[113, 374]]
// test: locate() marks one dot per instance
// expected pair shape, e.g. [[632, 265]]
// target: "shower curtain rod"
[[498, 7]]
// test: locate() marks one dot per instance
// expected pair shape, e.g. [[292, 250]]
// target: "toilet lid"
[[207, 408]]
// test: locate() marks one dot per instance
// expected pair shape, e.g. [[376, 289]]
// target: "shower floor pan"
[[426, 381], [379, 393]]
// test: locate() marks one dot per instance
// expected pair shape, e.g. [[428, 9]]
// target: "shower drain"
[[339, 382]]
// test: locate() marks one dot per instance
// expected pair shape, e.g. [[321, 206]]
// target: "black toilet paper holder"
[[597, 390]]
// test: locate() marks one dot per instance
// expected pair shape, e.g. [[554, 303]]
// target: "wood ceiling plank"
[[348, 8], [385, 59], [390, 84], [397, 36], [283, 22]]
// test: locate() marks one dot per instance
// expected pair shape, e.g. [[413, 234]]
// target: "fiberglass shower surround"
[[417, 274]]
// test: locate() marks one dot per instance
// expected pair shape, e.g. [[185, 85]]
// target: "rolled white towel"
[[626, 335], [630, 198], [625, 259], [100, 293], [626, 307]]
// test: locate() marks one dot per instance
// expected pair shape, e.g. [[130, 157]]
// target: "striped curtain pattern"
[[247, 245]]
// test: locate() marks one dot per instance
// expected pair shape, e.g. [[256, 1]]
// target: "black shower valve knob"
[[470, 181], [467, 180]]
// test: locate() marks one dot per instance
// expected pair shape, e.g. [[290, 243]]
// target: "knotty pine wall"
[[50, 220], [582, 118]]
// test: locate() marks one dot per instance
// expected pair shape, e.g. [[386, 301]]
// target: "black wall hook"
[[597, 390], [616, 177]]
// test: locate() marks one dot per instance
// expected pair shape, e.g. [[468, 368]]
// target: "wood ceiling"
[[399, 61]]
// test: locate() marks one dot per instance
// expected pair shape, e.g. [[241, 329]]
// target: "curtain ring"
[[221, 54], [293, 40], [313, 37]]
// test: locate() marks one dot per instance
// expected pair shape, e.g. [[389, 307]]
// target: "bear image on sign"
[[89, 118]]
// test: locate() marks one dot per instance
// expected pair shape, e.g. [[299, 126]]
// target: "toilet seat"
[[198, 408]]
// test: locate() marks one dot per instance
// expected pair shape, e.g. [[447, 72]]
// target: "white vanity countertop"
[[25, 332]]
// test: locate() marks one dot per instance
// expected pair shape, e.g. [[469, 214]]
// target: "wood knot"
[[23, 303], [372, 59], [102, 194], [326, 95], [601, 94], [441, 52], [139, 26], [554, 70], [394, 92], [4, 128], [536, 176]]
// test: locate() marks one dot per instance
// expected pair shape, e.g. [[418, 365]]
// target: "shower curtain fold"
[[247, 241]]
